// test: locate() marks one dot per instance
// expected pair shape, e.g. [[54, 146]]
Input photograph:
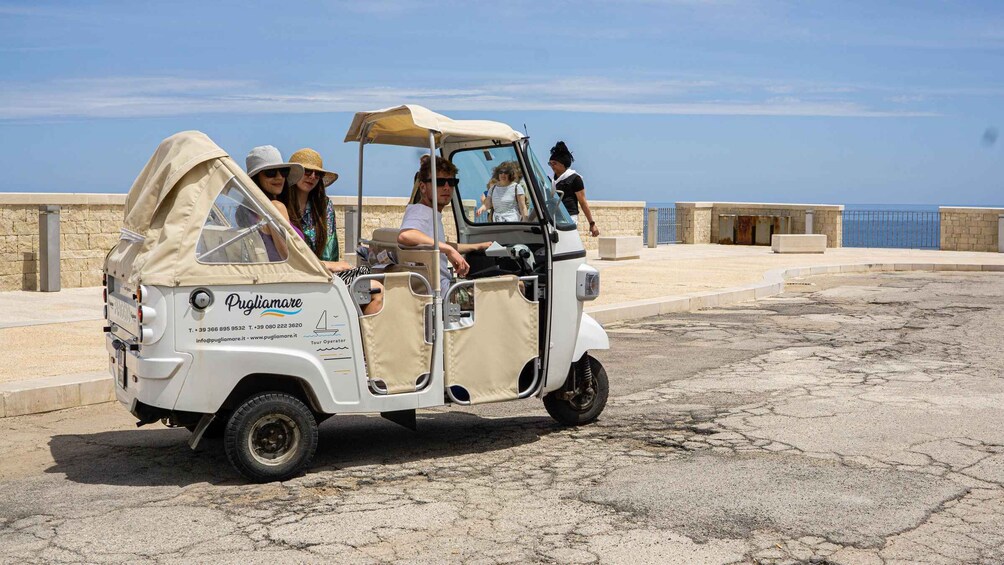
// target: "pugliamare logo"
[[278, 307]]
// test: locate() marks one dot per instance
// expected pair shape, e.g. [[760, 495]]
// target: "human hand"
[[459, 263], [594, 231], [337, 266]]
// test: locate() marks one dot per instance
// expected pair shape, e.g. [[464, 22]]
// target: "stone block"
[[620, 247], [798, 243], [41, 399], [97, 391]]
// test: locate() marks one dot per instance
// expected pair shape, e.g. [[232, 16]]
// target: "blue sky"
[[660, 100]]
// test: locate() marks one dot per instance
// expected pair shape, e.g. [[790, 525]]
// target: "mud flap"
[[200, 429]]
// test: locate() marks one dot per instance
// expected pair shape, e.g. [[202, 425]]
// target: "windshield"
[[555, 208], [493, 186]]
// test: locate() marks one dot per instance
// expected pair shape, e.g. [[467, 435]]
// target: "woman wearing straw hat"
[[312, 212]]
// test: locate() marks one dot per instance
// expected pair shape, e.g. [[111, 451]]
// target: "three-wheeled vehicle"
[[211, 328]]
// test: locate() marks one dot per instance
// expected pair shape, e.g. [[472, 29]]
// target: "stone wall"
[[89, 227], [699, 220], [970, 229], [694, 220]]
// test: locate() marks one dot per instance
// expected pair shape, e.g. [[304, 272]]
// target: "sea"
[[905, 226]]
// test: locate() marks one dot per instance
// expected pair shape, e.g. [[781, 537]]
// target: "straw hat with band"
[[267, 157], [311, 159]]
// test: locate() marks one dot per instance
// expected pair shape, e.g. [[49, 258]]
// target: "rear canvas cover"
[[166, 209]]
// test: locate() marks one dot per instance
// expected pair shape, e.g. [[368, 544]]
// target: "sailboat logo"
[[323, 327]]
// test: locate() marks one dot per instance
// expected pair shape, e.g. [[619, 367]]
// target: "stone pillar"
[[350, 241], [809, 217], [48, 248], [653, 227], [1000, 233], [694, 219]]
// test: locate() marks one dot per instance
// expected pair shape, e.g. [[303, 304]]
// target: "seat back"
[[423, 262]]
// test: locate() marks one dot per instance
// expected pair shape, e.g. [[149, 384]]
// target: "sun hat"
[[267, 157], [311, 159]]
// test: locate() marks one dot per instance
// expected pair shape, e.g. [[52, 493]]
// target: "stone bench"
[[798, 243], [620, 247]]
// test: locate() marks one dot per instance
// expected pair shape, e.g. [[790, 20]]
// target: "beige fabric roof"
[[166, 209], [410, 125]]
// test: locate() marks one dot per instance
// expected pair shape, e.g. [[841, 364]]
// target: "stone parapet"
[[90, 223], [699, 220], [694, 220], [970, 229]]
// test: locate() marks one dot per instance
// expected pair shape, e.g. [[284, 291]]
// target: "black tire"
[[271, 436], [582, 408]]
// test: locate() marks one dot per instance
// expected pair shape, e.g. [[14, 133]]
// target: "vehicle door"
[[493, 327]]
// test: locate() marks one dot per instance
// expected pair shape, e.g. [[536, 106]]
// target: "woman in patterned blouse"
[[312, 212]]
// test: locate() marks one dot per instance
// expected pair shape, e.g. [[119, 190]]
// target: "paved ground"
[[854, 419], [50, 334]]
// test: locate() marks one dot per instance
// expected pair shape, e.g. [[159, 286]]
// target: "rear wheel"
[[271, 436], [584, 395]]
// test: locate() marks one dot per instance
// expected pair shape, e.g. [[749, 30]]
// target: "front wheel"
[[271, 436], [583, 396]]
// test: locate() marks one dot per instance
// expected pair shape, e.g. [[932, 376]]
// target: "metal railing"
[[667, 229], [892, 228]]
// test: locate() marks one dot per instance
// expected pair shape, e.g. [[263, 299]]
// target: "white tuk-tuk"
[[221, 319]]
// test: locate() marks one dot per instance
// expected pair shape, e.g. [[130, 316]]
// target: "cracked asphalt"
[[852, 419]]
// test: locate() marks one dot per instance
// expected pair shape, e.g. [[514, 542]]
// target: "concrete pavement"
[[853, 419], [52, 349]]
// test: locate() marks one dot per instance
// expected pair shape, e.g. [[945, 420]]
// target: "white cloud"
[[125, 97]]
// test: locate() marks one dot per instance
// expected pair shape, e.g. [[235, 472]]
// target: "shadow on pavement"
[[161, 457]]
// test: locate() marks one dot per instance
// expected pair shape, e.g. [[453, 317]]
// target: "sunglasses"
[[270, 174], [311, 173], [444, 181]]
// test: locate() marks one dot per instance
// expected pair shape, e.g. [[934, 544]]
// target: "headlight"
[[587, 283]]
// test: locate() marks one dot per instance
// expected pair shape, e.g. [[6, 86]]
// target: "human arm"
[[413, 237], [524, 213], [584, 206], [337, 266], [280, 242]]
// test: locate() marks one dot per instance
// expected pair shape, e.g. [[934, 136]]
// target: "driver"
[[416, 228]]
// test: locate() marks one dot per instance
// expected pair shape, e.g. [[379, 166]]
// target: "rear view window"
[[238, 230]]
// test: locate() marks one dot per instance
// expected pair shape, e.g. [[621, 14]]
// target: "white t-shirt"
[[504, 204], [419, 217]]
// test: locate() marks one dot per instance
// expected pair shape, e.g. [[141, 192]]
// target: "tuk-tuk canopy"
[[167, 208], [409, 125]]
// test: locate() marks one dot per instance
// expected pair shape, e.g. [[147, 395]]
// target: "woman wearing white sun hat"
[[272, 175]]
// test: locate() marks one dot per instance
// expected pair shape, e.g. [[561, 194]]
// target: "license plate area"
[[121, 374]]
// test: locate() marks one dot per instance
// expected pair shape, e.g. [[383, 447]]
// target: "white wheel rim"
[[273, 439]]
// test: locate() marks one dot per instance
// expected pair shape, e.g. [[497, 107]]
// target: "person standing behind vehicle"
[[417, 225], [506, 198], [570, 184], [313, 213]]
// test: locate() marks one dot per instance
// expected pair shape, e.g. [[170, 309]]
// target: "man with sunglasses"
[[417, 226]]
